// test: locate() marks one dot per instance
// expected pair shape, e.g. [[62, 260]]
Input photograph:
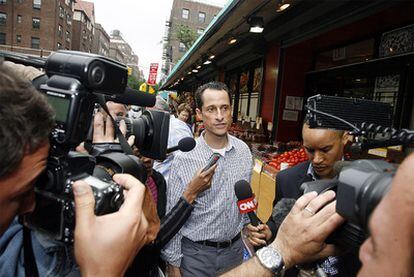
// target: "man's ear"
[[347, 138], [199, 113]]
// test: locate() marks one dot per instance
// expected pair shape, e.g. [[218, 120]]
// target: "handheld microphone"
[[281, 210], [133, 97], [247, 203], [185, 145]]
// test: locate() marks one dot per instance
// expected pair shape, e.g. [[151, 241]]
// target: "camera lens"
[[373, 190], [96, 74]]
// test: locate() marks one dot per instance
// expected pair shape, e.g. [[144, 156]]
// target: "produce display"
[[292, 157], [246, 133]]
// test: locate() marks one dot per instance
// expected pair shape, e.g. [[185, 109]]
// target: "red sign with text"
[[152, 77]]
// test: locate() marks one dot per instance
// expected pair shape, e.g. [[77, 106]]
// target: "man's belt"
[[219, 244]]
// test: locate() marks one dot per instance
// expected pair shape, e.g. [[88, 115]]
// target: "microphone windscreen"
[[337, 168], [243, 190], [186, 144], [281, 210], [133, 97]]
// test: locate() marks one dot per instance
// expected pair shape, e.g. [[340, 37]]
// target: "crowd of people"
[[184, 220]]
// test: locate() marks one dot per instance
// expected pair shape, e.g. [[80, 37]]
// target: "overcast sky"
[[142, 24]]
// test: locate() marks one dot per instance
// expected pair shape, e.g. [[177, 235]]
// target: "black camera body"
[[359, 188], [55, 215], [94, 72], [148, 140], [74, 80]]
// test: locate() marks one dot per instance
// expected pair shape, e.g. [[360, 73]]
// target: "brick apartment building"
[[101, 41], [189, 13], [120, 50], [83, 26], [36, 26]]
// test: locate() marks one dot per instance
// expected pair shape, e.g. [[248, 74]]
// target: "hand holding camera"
[[309, 211], [128, 228]]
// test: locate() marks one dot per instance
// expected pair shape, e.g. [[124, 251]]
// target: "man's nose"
[[220, 115], [317, 158]]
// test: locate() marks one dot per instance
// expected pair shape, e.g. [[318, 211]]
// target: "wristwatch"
[[270, 258]]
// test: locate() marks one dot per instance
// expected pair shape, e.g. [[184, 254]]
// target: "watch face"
[[270, 258]]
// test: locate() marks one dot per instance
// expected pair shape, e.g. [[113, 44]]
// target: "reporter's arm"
[[200, 182], [178, 215], [301, 237], [106, 245], [173, 221]]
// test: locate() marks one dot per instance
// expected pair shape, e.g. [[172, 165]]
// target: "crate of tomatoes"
[[292, 157]]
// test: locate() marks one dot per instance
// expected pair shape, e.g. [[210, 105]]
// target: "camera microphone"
[[247, 203], [133, 97], [185, 145]]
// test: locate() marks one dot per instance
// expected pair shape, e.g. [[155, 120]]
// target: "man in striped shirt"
[[209, 242]]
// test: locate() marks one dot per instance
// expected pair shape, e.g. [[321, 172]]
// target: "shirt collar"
[[311, 172], [229, 146]]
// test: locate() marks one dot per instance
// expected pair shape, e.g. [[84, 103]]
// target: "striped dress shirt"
[[215, 216]]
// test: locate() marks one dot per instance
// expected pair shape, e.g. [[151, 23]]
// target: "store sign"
[[152, 77], [290, 115]]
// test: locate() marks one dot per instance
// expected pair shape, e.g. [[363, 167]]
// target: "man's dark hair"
[[212, 85], [26, 120]]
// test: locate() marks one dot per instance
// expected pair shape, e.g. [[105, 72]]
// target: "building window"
[[181, 48], [3, 18], [36, 23], [19, 18], [200, 31], [60, 31], [185, 13], [67, 36], [201, 17], [35, 43], [3, 2], [59, 46], [61, 12], [18, 38], [68, 19], [2, 38], [19, 1], [37, 4]]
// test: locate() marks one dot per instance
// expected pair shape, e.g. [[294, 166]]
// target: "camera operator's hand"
[[258, 235], [200, 182], [301, 237], [104, 131], [106, 245]]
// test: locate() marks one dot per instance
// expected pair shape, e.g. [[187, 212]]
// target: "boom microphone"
[[185, 145], [247, 203], [133, 97], [281, 210]]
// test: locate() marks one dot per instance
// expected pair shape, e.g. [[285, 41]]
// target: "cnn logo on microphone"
[[247, 205]]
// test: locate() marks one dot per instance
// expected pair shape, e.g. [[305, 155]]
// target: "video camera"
[[76, 82], [361, 184]]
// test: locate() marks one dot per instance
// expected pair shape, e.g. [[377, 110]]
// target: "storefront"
[[353, 49]]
